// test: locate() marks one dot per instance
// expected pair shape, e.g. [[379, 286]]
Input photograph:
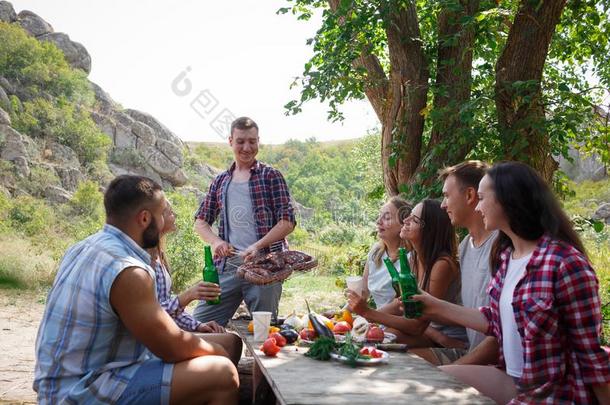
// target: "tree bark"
[[453, 82], [398, 99], [403, 123], [521, 115]]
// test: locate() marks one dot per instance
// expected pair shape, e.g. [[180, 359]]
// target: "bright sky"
[[241, 55]]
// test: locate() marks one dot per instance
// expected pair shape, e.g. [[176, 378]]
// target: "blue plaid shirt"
[[169, 302], [84, 353]]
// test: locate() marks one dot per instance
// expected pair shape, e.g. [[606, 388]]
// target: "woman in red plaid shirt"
[[544, 303]]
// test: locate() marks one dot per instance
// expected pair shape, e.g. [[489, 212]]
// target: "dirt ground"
[[20, 314]]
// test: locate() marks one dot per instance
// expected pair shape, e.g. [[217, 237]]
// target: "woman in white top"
[[377, 281]]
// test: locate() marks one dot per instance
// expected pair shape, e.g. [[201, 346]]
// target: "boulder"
[[206, 170], [104, 103], [12, 146], [173, 152], [33, 24], [6, 85], [141, 171], [22, 167], [70, 177], [164, 167], [57, 194], [603, 213], [123, 137], [145, 134], [121, 118], [5, 119], [104, 123], [76, 54], [7, 12], [61, 154], [5, 102], [161, 131], [582, 167]]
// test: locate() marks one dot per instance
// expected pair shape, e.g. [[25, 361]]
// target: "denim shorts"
[[150, 385]]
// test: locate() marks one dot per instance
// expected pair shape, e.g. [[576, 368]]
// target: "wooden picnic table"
[[297, 379]]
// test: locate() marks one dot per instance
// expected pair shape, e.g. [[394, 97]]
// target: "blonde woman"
[[377, 281]]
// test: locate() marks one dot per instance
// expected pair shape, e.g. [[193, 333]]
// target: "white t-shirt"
[[380, 282], [511, 340]]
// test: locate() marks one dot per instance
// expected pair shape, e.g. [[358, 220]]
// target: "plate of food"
[[367, 356]]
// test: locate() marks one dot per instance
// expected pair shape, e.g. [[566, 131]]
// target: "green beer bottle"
[[209, 272], [408, 287], [393, 275]]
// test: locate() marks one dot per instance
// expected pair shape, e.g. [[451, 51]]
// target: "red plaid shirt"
[[270, 202], [557, 310]]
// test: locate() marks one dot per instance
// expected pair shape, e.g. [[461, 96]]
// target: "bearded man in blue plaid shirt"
[[252, 205], [104, 338]]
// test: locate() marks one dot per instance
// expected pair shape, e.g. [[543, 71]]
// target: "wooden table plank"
[[297, 379]]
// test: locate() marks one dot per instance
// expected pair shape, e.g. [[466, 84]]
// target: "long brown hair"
[[438, 239], [530, 207], [404, 210]]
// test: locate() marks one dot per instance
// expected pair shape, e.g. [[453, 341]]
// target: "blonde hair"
[[404, 210]]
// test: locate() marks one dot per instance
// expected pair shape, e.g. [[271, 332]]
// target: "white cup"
[[262, 321], [355, 283]]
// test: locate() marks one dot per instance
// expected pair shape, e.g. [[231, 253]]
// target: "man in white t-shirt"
[[460, 184]]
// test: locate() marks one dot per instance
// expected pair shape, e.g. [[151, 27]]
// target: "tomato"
[[270, 348], [307, 334], [279, 339], [375, 354], [375, 334], [365, 351]]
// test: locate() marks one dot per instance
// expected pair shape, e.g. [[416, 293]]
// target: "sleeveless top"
[[379, 281]]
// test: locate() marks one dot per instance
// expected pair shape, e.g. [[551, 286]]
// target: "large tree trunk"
[[453, 82], [403, 123], [520, 110], [398, 99]]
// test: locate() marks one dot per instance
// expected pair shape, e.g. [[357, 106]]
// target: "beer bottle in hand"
[[210, 274], [408, 286]]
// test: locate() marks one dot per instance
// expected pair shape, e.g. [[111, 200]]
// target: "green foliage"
[[127, 157], [38, 180], [184, 248], [88, 201], [574, 77], [56, 96], [29, 215]]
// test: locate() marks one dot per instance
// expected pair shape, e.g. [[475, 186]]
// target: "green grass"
[[321, 292]]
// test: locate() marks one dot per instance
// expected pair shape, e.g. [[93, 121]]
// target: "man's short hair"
[[468, 173], [129, 194], [243, 123]]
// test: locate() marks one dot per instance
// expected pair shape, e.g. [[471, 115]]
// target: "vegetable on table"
[[320, 328], [321, 348]]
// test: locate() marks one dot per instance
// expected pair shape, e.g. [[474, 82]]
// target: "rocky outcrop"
[[142, 144], [159, 148], [33, 24], [5, 119], [7, 12], [75, 53], [603, 213]]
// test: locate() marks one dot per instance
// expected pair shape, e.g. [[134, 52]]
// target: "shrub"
[[88, 201], [58, 96], [29, 215], [39, 179], [184, 247]]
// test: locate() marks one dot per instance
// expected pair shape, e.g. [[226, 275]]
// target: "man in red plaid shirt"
[[252, 205]]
